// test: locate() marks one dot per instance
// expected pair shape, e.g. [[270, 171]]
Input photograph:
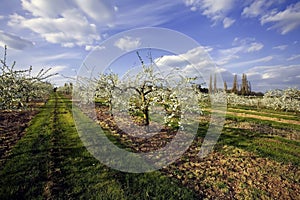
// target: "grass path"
[[256, 116], [276, 114], [280, 118], [50, 162]]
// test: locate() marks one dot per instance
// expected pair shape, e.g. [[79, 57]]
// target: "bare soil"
[[133, 135], [12, 129]]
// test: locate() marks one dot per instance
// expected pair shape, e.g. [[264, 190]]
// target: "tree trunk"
[[110, 105], [146, 116], [146, 119]]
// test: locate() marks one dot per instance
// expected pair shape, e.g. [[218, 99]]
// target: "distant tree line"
[[240, 89], [66, 88]]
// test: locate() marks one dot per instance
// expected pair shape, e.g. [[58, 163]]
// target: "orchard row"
[[20, 87]]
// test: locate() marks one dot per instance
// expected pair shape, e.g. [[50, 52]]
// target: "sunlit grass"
[[268, 113]]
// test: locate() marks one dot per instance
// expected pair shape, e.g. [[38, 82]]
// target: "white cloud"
[[248, 44], [282, 20], [196, 55], [230, 51], [257, 8], [193, 8], [81, 23], [271, 77], [97, 10], [69, 30], [240, 46], [128, 43], [57, 69], [170, 61], [50, 9], [64, 22], [224, 58], [91, 47], [101, 11], [250, 62], [293, 57], [14, 41], [57, 57], [208, 48], [194, 62], [216, 10], [255, 46], [285, 21], [145, 14], [281, 47], [227, 22]]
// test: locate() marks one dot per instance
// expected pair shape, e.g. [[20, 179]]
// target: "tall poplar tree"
[[215, 83], [235, 85], [225, 86], [245, 89], [210, 84]]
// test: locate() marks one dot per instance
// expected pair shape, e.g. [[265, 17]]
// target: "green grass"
[[274, 147], [255, 108], [51, 162], [278, 115], [25, 174], [270, 123], [270, 146]]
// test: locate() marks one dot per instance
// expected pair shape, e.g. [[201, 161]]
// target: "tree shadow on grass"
[[264, 145]]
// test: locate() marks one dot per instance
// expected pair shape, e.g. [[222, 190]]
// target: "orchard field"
[[42, 156]]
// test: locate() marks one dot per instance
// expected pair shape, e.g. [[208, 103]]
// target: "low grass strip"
[[25, 173], [268, 113], [267, 118], [265, 110], [276, 148], [257, 120], [261, 137]]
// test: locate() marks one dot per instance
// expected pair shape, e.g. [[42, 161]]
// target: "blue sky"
[[258, 37]]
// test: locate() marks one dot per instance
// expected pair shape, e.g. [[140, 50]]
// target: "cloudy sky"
[[258, 37]]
